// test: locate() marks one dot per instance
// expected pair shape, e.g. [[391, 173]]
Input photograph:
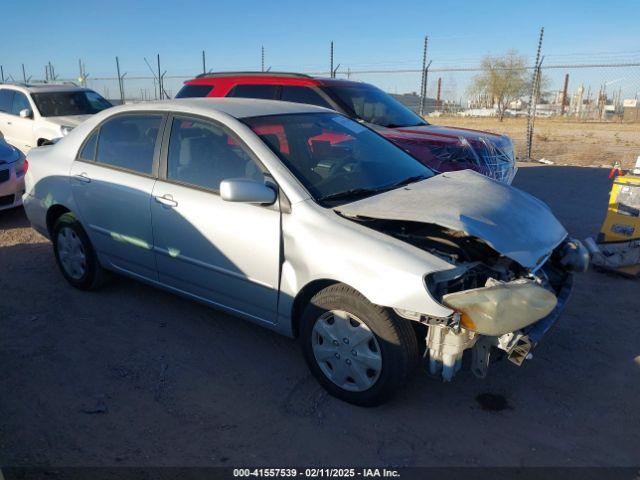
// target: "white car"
[[353, 246], [11, 176], [33, 114]]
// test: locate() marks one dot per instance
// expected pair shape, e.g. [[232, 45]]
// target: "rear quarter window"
[[306, 95], [88, 151], [194, 91]]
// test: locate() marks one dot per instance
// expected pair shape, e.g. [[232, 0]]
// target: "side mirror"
[[26, 113], [246, 190]]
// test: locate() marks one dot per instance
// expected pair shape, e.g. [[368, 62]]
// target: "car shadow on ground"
[[132, 375], [13, 218]]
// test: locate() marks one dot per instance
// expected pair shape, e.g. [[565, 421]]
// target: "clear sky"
[[296, 34]]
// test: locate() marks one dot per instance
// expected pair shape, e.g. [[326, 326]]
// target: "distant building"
[[631, 110]]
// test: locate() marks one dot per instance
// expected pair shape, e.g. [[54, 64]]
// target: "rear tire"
[[75, 255], [359, 352]]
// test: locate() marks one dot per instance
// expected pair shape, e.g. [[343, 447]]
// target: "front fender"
[[319, 245]]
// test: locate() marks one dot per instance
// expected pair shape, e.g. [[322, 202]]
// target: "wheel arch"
[[305, 295], [53, 213], [302, 299]]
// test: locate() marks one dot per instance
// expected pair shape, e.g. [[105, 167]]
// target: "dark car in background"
[[440, 148]]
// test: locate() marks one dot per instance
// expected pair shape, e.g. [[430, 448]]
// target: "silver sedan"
[[311, 224]]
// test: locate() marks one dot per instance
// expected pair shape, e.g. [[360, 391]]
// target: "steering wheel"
[[341, 164]]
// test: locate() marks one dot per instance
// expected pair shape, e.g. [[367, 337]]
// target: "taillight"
[[26, 166]]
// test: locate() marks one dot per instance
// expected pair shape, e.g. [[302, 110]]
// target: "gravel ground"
[[130, 375]]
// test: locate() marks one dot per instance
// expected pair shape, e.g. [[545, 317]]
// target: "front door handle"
[[83, 177], [166, 200]]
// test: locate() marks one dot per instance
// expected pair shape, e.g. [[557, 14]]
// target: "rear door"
[[226, 253], [112, 180]]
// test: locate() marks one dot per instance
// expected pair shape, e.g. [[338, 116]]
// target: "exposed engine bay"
[[500, 307]]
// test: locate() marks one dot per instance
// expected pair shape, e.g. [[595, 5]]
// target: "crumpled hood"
[[70, 120], [514, 223], [8, 154]]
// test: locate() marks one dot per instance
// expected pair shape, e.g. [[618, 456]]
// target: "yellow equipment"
[[623, 215], [618, 246]]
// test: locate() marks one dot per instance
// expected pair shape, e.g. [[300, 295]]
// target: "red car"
[[440, 148]]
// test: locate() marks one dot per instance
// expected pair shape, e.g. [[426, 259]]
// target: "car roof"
[[44, 87], [286, 77], [235, 107]]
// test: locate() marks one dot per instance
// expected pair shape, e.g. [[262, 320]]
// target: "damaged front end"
[[499, 307]]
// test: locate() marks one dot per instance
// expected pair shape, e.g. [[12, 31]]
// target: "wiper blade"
[[363, 192], [406, 181], [396, 125], [347, 194]]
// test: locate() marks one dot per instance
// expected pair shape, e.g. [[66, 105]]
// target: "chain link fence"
[[586, 112]]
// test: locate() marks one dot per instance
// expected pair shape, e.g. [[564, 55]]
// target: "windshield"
[[58, 104], [372, 105], [337, 159]]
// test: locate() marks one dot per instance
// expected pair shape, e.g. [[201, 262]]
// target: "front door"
[[225, 253], [112, 180], [17, 131]]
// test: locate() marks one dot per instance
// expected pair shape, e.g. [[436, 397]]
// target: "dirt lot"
[[564, 142], [130, 375]]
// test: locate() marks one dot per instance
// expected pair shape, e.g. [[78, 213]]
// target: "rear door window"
[[265, 92], [194, 91], [303, 95], [129, 142]]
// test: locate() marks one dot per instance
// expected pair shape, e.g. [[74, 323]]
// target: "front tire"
[[358, 351], [75, 255]]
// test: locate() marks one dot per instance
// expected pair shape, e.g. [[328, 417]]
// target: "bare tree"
[[504, 79]]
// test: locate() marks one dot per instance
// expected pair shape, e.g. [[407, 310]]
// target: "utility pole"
[[120, 81], [331, 60], [262, 58], [533, 96], [564, 94], [52, 75], [438, 93], [24, 74], [423, 81], [160, 79], [1, 74], [204, 63]]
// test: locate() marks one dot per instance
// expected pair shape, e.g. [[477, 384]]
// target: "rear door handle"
[[166, 200], [83, 177]]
